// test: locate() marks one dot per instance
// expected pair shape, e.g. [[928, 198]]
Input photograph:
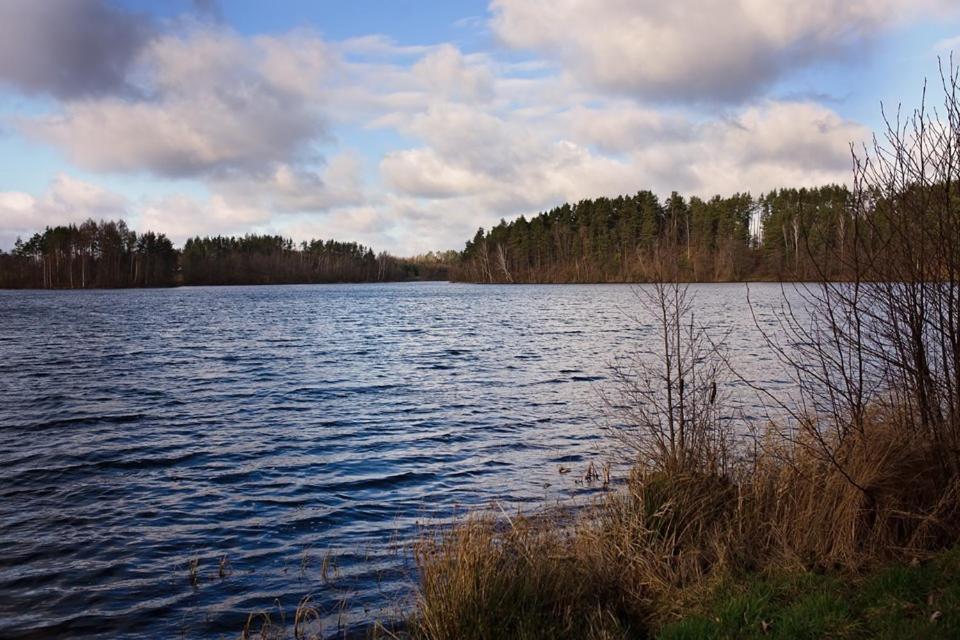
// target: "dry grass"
[[886, 500], [526, 578], [635, 560], [193, 571], [307, 623]]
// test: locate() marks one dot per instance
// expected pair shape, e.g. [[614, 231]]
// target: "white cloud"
[[181, 217], [66, 200], [423, 173], [947, 45], [515, 170], [241, 203], [289, 188], [369, 225], [695, 49], [624, 127], [448, 73], [379, 45], [472, 167], [776, 144]]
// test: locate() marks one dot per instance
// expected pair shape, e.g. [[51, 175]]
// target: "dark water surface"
[[279, 426]]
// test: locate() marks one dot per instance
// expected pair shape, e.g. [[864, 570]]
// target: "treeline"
[[110, 255], [90, 255], [778, 235], [277, 260]]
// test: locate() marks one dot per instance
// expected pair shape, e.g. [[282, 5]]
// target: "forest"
[[108, 254], [787, 235], [90, 255], [267, 259], [780, 235]]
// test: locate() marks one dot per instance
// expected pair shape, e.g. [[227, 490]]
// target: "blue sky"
[[407, 125]]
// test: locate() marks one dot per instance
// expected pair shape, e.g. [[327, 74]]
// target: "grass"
[[787, 547], [894, 602], [477, 587], [307, 624], [528, 580]]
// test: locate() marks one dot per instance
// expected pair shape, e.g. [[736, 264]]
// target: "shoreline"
[[458, 282]]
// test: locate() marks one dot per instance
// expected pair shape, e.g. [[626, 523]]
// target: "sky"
[[407, 125]]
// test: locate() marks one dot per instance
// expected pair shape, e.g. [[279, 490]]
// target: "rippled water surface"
[[300, 432]]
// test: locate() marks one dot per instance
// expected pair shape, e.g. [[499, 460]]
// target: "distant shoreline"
[[369, 282], [218, 285]]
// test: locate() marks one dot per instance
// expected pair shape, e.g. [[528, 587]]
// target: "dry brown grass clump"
[[307, 623], [881, 497], [523, 578]]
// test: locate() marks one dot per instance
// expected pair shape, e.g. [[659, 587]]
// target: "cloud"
[[370, 225], [442, 193], [66, 200], [448, 73], [217, 102], [504, 167], [378, 45], [69, 48], [621, 128], [472, 167], [947, 45], [775, 144], [723, 50], [424, 173], [181, 216], [480, 139], [288, 188]]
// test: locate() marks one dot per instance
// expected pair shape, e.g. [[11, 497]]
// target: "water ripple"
[[278, 426]]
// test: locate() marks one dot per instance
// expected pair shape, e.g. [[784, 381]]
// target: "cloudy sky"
[[406, 125]]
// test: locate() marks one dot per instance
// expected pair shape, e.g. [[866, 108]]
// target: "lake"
[[304, 433]]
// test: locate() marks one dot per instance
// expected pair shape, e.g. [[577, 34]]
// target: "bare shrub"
[[664, 402]]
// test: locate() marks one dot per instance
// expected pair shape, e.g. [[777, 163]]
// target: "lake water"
[[282, 426]]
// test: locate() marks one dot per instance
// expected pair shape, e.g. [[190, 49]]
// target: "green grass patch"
[[921, 601]]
